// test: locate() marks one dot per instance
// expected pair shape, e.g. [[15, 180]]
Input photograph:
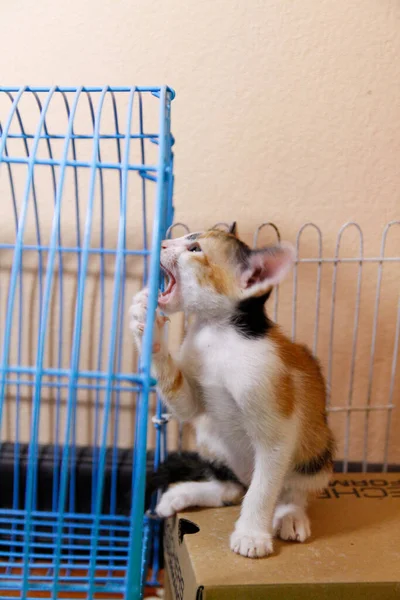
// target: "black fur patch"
[[250, 319], [316, 464], [187, 466], [232, 229]]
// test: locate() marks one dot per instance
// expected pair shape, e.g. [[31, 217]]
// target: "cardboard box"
[[353, 554]]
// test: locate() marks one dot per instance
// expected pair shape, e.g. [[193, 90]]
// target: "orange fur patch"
[[306, 393], [177, 382], [285, 394], [170, 379], [213, 275]]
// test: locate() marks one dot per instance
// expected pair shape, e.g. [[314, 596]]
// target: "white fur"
[[137, 313], [290, 520], [228, 394], [198, 493]]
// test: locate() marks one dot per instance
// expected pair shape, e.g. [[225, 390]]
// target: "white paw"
[[294, 526], [138, 312], [252, 544], [172, 502], [137, 320]]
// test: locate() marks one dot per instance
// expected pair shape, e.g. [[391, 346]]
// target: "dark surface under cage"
[[77, 528]]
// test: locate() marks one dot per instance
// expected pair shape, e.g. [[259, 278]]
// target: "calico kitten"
[[255, 399]]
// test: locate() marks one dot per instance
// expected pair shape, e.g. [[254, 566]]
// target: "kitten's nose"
[[164, 244]]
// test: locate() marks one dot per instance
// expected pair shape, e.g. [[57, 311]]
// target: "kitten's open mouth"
[[165, 296]]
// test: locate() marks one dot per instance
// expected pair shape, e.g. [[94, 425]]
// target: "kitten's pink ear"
[[265, 268]]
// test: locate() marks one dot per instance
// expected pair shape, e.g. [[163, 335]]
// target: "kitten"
[[255, 399]]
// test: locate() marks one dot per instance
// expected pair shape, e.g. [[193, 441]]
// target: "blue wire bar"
[[86, 182]]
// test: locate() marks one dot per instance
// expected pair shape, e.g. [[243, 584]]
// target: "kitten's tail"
[[184, 466], [179, 467]]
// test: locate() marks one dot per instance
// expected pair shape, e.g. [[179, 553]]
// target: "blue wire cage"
[[86, 177]]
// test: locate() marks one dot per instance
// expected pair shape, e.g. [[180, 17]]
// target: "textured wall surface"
[[285, 110]]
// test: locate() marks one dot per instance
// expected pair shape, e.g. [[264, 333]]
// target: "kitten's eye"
[[194, 248]]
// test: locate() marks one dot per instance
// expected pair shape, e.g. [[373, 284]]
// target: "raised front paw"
[[137, 320], [252, 544], [137, 314]]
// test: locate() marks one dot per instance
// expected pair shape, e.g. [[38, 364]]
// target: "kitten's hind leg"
[[199, 493], [290, 519]]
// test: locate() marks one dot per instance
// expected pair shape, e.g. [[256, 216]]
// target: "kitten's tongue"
[[171, 282]]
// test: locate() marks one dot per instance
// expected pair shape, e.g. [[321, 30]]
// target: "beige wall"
[[285, 111]]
